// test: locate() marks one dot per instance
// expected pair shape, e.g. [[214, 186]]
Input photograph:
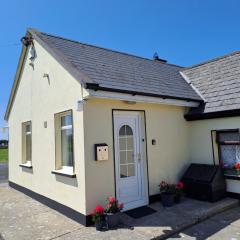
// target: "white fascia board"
[[138, 98]]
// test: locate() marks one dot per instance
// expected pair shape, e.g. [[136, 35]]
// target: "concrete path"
[[24, 218], [223, 226], [3, 173]]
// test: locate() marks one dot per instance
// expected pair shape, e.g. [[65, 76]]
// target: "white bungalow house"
[[87, 122]]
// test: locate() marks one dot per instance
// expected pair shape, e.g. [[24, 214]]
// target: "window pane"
[[67, 147], [230, 155], [131, 170], [129, 131], [66, 120], [130, 143], [123, 171], [28, 147], [28, 128], [122, 143], [123, 157], [130, 157], [229, 136], [122, 131]]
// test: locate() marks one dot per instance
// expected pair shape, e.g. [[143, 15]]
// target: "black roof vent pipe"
[[156, 58]]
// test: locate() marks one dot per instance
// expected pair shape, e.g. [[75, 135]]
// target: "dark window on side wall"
[[229, 149]]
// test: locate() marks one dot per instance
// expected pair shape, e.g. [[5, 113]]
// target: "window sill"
[[233, 177], [64, 173], [26, 165]]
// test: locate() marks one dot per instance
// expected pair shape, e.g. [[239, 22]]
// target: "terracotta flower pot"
[[167, 199], [113, 219]]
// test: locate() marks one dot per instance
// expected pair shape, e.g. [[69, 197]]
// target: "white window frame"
[[26, 162], [59, 168]]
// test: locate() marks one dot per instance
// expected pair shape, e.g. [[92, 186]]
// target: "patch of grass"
[[3, 155]]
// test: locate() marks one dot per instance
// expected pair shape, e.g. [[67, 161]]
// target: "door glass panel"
[[123, 157], [122, 143], [126, 153], [130, 157], [129, 143], [123, 171], [131, 170], [122, 131], [128, 131]]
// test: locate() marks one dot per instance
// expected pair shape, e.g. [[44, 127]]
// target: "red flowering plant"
[[237, 166], [179, 188], [97, 214], [113, 206]]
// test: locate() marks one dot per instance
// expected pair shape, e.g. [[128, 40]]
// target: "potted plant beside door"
[[167, 193], [179, 192], [113, 211], [98, 217]]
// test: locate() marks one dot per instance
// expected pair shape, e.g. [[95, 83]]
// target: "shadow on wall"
[[66, 180], [27, 170]]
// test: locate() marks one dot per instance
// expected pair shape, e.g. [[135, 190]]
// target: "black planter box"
[[204, 182]]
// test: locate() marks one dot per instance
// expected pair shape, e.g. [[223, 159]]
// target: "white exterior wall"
[[37, 100], [201, 143]]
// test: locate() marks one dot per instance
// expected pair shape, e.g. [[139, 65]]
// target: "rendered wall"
[[37, 100], [166, 160]]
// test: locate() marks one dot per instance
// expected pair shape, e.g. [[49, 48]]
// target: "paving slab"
[[46, 225], [3, 172], [219, 227], [21, 217]]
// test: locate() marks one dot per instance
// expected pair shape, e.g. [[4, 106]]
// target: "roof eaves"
[[212, 115], [96, 87]]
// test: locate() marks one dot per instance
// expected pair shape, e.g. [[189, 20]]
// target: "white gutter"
[[137, 98]]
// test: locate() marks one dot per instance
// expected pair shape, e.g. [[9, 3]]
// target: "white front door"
[[129, 159]]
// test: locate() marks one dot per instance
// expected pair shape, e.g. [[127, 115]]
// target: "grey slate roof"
[[218, 82], [115, 70]]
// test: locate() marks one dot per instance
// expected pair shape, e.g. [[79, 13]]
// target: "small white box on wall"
[[101, 152]]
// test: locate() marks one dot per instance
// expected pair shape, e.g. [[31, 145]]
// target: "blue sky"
[[184, 32]]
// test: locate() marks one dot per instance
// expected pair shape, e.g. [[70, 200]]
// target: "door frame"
[[146, 178]]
